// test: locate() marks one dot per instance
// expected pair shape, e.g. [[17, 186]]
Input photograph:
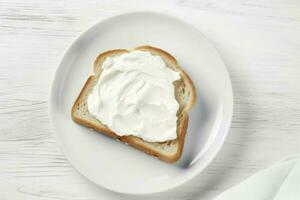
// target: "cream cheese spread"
[[135, 95]]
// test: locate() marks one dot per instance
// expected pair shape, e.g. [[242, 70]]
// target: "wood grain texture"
[[258, 40]]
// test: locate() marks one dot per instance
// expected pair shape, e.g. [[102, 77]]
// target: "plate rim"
[[225, 123]]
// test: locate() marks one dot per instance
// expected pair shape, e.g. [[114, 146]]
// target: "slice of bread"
[[169, 151]]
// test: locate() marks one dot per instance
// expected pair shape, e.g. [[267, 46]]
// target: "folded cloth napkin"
[[279, 182]]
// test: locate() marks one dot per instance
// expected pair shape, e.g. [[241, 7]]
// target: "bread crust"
[[138, 143]]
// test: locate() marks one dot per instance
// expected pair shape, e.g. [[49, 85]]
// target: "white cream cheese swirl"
[[135, 95]]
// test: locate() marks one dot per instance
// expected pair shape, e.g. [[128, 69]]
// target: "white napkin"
[[279, 182]]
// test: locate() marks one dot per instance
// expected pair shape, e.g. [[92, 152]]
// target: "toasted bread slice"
[[169, 151]]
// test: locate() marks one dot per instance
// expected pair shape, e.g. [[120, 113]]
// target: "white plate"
[[112, 164]]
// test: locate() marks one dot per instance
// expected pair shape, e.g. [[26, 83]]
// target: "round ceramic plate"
[[110, 163]]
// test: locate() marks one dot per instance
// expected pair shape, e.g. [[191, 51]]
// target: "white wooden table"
[[259, 41]]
